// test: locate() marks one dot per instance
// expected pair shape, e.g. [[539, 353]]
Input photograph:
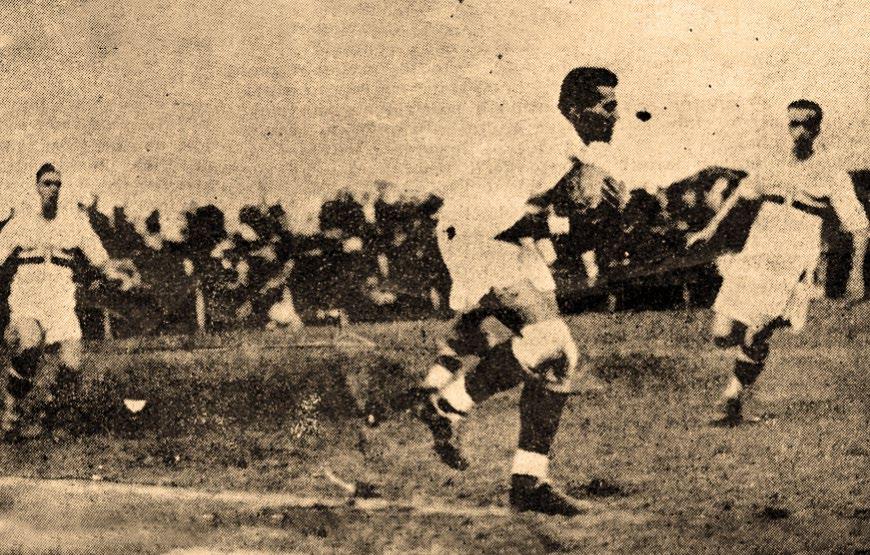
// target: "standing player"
[[768, 284], [41, 241], [497, 249]]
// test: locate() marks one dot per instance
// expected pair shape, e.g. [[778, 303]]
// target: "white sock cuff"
[[531, 464], [437, 377], [456, 394], [733, 389]]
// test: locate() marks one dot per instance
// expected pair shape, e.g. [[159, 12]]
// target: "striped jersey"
[[43, 251]]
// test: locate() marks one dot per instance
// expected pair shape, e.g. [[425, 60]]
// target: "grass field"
[[246, 412]]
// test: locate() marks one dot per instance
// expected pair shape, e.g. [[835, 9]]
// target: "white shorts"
[[59, 323], [772, 276], [477, 265]]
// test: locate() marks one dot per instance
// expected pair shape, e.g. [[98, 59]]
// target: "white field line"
[[659, 349], [103, 492]]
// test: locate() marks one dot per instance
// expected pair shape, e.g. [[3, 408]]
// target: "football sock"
[[540, 413]]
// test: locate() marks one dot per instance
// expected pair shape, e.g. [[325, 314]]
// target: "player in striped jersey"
[[42, 242], [768, 284]]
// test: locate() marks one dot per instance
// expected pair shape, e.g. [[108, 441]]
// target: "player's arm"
[[9, 238], [542, 221], [122, 270], [6, 251], [746, 189], [854, 221], [533, 234], [7, 247]]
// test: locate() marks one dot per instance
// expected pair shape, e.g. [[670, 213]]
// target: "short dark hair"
[[579, 88], [804, 104], [44, 169]]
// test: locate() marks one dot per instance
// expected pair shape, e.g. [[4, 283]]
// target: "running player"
[[768, 285], [42, 242]]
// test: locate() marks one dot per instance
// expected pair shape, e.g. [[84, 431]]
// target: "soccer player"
[[496, 246], [768, 285], [41, 241]]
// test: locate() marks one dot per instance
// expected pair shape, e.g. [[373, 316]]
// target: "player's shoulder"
[[601, 158], [7, 213], [18, 215], [582, 169], [595, 173]]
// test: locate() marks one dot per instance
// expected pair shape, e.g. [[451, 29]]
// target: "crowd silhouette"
[[375, 257]]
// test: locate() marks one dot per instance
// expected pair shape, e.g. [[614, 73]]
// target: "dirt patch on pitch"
[[641, 372], [299, 394]]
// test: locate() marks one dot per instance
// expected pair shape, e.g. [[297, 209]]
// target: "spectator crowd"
[[375, 256], [372, 256]]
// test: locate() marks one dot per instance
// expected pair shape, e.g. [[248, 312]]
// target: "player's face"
[[48, 188], [596, 122], [802, 125]]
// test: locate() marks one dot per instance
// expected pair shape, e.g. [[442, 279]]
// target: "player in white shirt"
[[42, 241], [768, 285], [497, 249]]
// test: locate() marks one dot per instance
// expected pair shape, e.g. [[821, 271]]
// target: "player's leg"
[[41, 405], [548, 356], [465, 338], [533, 316], [23, 344], [540, 415], [729, 335], [67, 383], [497, 369], [57, 384], [753, 349], [443, 386], [543, 355]]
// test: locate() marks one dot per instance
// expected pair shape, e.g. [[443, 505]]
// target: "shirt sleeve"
[[91, 244], [846, 204], [9, 239], [754, 186]]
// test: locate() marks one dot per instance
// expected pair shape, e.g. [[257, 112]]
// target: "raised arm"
[[92, 247], [745, 190]]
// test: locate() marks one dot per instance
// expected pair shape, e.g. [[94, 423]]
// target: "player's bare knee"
[[533, 305], [547, 347], [70, 354], [22, 335]]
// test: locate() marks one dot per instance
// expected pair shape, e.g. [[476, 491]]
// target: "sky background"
[[157, 103]]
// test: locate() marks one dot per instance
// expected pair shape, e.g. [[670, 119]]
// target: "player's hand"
[[529, 254], [123, 271]]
